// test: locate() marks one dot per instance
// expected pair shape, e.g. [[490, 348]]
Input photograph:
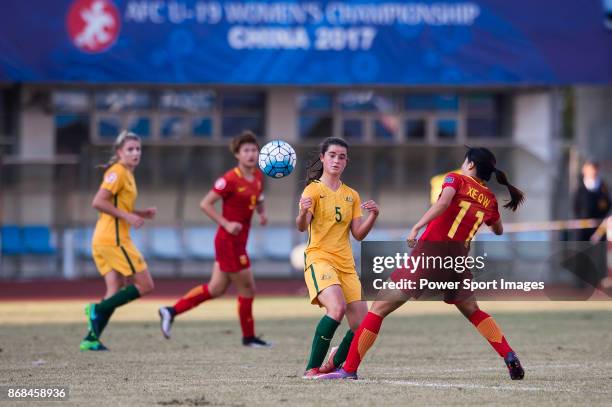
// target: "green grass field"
[[426, 355]]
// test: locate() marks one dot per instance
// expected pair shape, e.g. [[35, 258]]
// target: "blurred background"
[[407, 84]]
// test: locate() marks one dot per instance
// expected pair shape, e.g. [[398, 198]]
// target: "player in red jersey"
[[240, 189], [464, 204]]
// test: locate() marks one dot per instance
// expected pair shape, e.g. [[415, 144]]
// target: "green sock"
[[90, 337], [104, 318], [320, 343], [123, 296], [343, 349]]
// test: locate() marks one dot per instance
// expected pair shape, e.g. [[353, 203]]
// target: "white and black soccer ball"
[[277, 159]]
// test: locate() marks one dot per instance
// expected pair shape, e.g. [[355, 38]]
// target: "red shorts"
[[441, 277], [230, 253]]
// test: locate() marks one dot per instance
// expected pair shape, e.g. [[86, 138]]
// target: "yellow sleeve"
[[113, 180], [436, 187], [312, 191], [436, 183], [356, 205]]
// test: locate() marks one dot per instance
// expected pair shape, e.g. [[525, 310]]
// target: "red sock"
[[363, 340], [245, 312], [486, 325], [195, 296]]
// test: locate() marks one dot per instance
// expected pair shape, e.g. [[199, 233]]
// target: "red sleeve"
[[494, 215], [452, 180], [223, 186]]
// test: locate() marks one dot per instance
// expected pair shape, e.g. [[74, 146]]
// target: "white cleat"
[[166, 319]]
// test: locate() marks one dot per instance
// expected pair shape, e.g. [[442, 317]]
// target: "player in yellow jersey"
[[114, 253], [329, 210]]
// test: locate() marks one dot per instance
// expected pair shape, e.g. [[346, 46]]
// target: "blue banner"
[[470, 42]]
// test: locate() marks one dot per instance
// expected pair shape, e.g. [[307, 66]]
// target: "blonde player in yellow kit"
[[114, 253], [329, 210]]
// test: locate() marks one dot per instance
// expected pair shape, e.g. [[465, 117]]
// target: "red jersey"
[[240, 198], [472, 205]]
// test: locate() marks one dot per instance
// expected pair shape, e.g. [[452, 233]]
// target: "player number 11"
[[464, 208]]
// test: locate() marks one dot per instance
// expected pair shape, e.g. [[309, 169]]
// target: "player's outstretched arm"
[[102, 203], [360, 227]]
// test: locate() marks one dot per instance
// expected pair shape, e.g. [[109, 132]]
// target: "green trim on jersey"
[[314, 278], [128, 260], [117, 224]]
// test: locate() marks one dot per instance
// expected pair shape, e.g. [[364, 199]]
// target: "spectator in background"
[[592, 200]]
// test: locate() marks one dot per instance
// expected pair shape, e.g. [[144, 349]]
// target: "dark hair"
[[591, 161], [246, 137], [485, 162], [121, 139], [314, 169]]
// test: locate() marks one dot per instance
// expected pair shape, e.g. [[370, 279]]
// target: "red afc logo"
[[93, 25]]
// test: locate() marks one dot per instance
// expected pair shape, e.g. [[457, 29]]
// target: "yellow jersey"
[[111, 231], [328, 232]]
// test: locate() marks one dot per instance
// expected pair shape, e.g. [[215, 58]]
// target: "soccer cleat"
[[514, 366], [166, 318], [255, 342], [311, 373], [92, 345], [93, 322], [338, 374], [329, 366]]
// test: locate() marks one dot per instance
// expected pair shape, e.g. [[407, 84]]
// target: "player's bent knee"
[[467, 308], [337, 311], [216, 291], [383, 308], [111, 291], [354, 325], [145, 288], [247, 291]]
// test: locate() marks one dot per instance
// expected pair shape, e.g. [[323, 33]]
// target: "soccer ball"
[[277, 159]]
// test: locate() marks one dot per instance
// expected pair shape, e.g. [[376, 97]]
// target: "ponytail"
[[314, 169], [111, 161], [485, 163], [516, 195]]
